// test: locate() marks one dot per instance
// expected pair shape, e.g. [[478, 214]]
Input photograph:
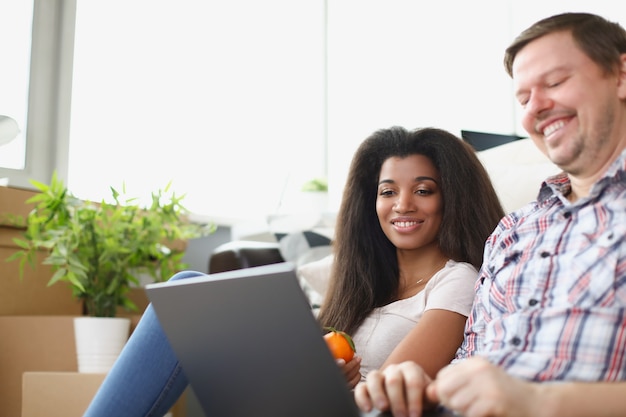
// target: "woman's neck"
[[417, 267]]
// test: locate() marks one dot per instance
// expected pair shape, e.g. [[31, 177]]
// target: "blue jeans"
[[146, 380]]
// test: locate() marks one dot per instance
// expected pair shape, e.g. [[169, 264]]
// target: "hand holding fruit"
[[342, 348], [340, 344]]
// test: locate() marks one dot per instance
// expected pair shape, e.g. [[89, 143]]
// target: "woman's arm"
[[433, 341], [427, 348]]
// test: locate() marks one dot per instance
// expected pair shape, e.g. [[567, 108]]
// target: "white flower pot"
[[99, 341]]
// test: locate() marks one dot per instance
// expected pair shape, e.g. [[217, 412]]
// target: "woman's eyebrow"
[[417, 179], [425, 178]]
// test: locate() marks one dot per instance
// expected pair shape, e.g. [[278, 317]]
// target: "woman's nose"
[[404, 203]]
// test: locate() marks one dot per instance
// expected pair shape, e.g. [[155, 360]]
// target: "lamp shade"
[[8, 129]]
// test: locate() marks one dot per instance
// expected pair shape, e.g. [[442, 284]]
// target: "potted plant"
[[316, 185], [315, 195], [101, 249], [301, 208]]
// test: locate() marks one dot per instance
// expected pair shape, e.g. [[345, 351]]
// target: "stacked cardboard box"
[[43, 391], [37, 350], [29, 295]]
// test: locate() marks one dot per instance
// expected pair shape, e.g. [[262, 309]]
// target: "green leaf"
[[21, 243], [58, 275]]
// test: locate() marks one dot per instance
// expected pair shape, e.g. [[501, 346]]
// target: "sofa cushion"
[[302, 246], [517, 170], [316, 274], [305, 248]]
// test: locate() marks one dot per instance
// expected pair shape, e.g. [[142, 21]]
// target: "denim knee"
[[185, 274]]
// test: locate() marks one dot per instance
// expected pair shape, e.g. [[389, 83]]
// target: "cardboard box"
[[31, 343], [13, 204], [58, 394], [66, 394], [31, 294], [36, 344]]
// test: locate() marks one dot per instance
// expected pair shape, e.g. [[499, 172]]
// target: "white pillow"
[[517, 170], [317, 274], [304, 248]]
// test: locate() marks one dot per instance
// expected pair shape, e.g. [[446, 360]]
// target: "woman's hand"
[[351, 370]]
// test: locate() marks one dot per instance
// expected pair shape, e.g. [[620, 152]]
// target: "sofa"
[[516, 170]]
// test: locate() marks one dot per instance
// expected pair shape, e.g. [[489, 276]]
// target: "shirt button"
[[567, 214], [516, 341], [533, 302], [545, 254]]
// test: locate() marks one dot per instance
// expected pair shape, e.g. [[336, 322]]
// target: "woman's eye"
[[385, 193], [423, 192]]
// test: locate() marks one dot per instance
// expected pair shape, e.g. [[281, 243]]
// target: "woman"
[[416, 211]]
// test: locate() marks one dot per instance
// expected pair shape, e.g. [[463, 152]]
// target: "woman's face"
[[409, 204]]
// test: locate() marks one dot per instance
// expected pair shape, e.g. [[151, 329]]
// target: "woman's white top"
[[451, 288]]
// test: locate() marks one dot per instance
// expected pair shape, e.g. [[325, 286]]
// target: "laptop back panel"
[[250, 346]]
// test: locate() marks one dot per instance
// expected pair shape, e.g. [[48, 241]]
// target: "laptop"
[[250, 345]]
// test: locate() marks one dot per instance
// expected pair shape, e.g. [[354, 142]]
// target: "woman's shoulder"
[[452, 288], [455, 271], [455, 267]]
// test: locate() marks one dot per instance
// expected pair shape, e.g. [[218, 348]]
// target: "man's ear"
[[621, 80]]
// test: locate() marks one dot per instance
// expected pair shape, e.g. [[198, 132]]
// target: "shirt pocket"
[[502, 289], [592, 269]]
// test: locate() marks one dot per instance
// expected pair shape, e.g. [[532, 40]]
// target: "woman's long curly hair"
[[365, 271]]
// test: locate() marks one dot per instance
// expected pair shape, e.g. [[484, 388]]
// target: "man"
[[551, 295]]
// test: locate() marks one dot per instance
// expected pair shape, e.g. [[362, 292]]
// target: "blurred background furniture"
[[241, 254]]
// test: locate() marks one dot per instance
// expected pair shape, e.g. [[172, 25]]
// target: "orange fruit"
[[340, 344]]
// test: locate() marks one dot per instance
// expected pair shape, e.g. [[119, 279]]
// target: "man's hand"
[[399, 388], [476, 388]]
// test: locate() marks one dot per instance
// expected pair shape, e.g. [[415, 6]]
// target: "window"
[[224, 99], [15, 39], [38, 99]]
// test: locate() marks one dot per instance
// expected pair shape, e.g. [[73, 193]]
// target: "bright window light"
[[225, 99], [15, 38]]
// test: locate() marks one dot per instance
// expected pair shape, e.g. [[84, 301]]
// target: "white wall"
[[415, 64]]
